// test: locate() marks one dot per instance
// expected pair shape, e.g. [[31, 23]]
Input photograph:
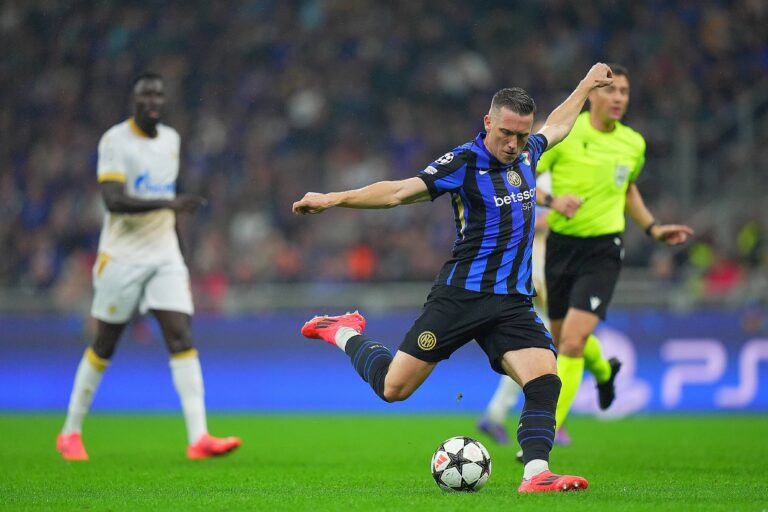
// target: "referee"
[[593, 175]]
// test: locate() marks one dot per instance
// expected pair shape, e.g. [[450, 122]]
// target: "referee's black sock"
[[371, 360], [536, 432]]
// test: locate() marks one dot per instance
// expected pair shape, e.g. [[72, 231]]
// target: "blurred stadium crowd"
[[276, 97]]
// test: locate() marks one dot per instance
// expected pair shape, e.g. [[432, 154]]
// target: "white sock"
[[343, 335], [87, 380], [503, 400], [188, 379], [535, 467]]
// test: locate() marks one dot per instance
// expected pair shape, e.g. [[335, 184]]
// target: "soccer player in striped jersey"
[[484, 291], [140, 266], [593, 173]]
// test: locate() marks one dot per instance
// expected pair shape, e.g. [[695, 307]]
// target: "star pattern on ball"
[[458, 460]]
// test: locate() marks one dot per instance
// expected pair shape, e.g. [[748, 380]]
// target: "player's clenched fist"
[[599, 75], [312, 202]]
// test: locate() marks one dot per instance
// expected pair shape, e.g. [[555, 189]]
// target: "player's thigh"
[[517, 327], [526, 364], [118, 288], [169, 289], [406, 373], [451, 318]]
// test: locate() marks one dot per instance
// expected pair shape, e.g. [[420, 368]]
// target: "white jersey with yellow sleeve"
[[140, 265], [148, 168]]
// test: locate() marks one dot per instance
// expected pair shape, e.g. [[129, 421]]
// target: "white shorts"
[[120, 289]]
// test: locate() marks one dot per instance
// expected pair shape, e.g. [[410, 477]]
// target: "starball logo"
[[525, 195]]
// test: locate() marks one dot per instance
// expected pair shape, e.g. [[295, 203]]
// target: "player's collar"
[[480, 143], [136, 129]]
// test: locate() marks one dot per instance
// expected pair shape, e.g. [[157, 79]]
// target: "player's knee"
[[180, 345], [179, 341], [572, 345], [104, 347], [105, 341], [396, 393]]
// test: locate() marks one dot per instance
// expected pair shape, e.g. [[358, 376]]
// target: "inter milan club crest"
[[514, 179], [426, 340]]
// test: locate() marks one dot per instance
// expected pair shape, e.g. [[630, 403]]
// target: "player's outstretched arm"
[[382, 194], [560, 121], [670, 234]]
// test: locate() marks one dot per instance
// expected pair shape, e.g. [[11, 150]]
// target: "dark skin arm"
[[117, 201]]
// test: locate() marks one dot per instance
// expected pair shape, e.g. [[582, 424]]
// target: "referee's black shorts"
[[582, 273], [454, 316]]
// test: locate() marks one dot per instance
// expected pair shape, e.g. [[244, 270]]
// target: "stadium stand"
[[279, 97]]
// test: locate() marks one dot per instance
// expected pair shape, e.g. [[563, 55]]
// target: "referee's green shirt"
[[598, 167]]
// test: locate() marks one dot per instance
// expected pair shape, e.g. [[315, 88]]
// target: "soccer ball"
[[461, 464]]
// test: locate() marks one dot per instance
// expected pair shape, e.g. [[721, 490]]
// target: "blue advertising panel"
[[700, 361]]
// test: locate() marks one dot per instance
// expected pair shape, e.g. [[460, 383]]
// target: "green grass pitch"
[[352, 463]]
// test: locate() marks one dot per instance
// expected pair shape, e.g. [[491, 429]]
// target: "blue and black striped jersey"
[[494, 206]]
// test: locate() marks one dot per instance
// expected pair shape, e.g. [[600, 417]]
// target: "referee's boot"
[[326, 327], [606, 392]]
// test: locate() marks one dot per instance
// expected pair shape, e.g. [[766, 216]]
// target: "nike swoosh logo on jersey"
[[483, 171]]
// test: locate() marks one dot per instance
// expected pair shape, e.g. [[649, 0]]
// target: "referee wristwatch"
[[548, 200]]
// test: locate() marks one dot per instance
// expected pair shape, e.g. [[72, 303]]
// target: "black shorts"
[[453, 316], [582, 273]]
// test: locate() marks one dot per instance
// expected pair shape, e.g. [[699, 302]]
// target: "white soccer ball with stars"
[[461, 464]]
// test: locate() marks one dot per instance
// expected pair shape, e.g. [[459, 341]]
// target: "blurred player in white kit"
[[140, 266]]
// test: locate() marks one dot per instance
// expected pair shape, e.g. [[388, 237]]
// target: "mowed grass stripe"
[[323, 462]]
